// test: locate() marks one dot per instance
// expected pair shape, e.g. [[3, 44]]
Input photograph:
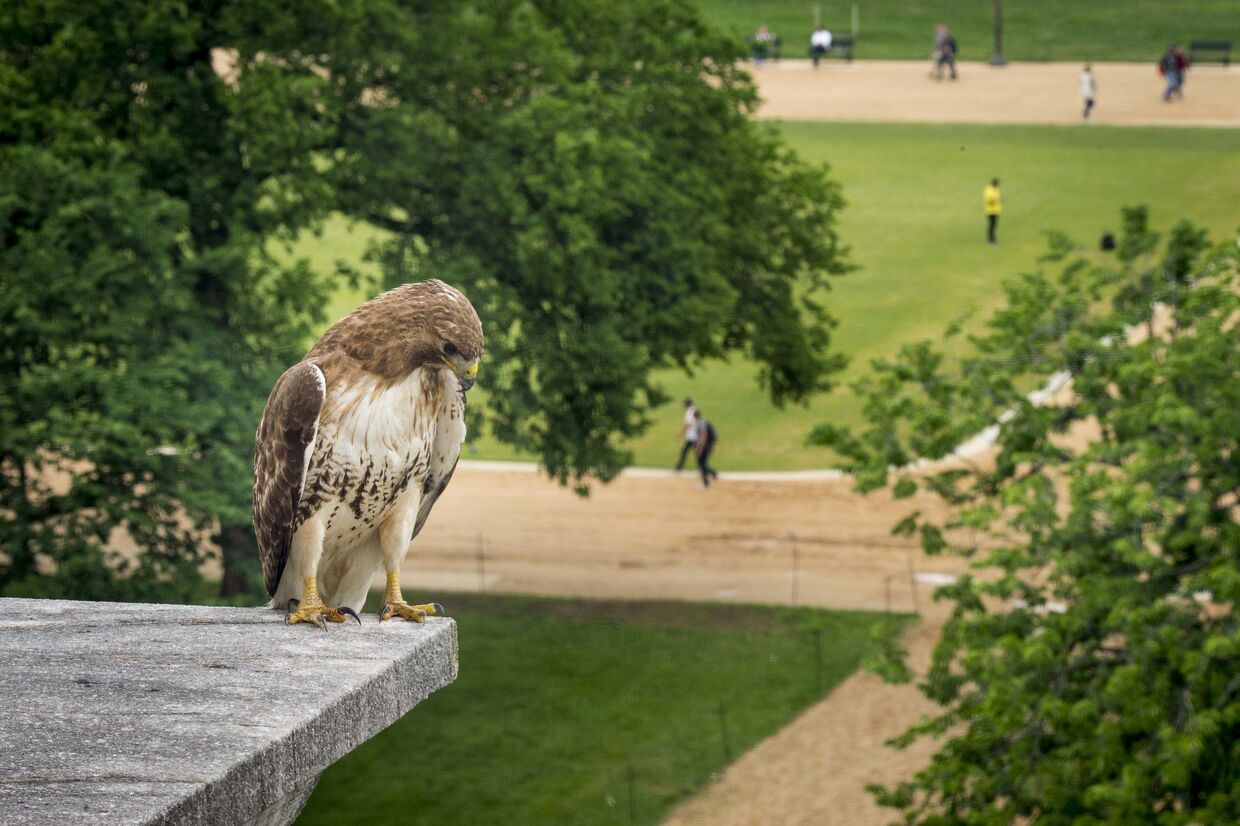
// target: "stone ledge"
[[120, 713]]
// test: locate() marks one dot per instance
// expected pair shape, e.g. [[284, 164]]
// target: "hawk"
[[357, 441]]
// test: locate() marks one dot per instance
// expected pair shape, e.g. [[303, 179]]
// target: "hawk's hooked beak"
[[466, 374]]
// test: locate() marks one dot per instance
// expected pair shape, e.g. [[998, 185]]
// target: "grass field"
[[557, 699], [915, 225], [1046, 30]]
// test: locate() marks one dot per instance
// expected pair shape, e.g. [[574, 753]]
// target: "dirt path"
[[802, 538], [1129, 94], [653, 534], [658, 536], [814, 771]]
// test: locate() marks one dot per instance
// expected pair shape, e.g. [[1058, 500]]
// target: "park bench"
[[1221, 47], [841, 47]]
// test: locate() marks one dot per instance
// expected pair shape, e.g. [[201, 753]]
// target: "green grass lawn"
[[915, 225], [557, 699], [1044, 30]]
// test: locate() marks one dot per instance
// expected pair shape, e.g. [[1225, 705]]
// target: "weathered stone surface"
[[123, 713]]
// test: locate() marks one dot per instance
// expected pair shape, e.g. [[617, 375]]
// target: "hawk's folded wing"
[[282, 452], [434, 488]]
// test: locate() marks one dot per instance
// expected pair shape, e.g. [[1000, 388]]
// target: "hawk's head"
[[454, 332], [426, 324]]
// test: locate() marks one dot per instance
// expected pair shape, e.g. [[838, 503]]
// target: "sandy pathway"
[[814, 771], [802, 538], [1129, 94], [658, 536], [780, 538]]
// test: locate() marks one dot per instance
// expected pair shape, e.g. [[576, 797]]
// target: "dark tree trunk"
[[239, 554]]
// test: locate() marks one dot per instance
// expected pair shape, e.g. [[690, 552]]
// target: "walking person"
[[1173, 66], [707, 436], [689, 432], [945, 48], [1089, 92], [992, 203]]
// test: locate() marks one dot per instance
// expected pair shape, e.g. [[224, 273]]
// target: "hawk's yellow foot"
[[312, 610], [394, 604]]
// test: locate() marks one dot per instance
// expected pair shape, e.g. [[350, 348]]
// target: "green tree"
[[162, 346], [590, 174], [587, 172], [88, 293], [1090, 670]]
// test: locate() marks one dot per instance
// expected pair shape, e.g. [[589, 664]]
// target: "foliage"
[[557, 698], [604, 199], [77, 421], [143, 322], [608, 205], [1089, 671]]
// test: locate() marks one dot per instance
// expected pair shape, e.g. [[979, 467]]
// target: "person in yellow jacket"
[[992, 202]]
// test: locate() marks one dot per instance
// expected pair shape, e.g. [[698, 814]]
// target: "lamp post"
[[997, 58]]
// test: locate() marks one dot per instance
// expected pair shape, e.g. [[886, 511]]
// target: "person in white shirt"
[[690, 433], [819, 43], [1089, 91]]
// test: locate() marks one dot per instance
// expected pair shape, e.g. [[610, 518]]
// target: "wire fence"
[[649, 781]]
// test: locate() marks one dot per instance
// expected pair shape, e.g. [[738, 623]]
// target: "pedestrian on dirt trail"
[[688, 432], [1173, 66], [945, 49], [1089, 91], [819, 44], [992, 203], [706, 438], [763, 40]]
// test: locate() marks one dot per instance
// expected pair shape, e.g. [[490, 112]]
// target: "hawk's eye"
[[449, 349]]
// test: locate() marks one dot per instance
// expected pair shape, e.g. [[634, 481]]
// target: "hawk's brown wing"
[[282, 453]]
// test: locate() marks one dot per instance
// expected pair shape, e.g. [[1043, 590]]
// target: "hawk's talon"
[[394, 604], [416, 613], [315, 613], [312, 610]]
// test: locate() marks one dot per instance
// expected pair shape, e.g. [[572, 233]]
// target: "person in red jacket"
[[1173, 66]]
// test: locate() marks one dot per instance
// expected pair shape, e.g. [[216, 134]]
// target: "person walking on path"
[[992, 203], [819, 44], [945, 49], [1173, 66], [706, 438], [689, 433], [1089, 91]]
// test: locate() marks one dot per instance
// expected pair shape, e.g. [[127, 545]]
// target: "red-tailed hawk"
[[357, 441]]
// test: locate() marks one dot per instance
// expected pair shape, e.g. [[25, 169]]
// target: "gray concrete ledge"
[[120, 713]]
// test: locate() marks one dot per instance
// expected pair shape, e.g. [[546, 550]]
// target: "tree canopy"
[[588, 173], [1089, 670]]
